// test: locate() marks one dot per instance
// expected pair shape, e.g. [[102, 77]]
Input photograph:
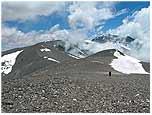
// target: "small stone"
[[147, 100], [42, 97], [43, 91], [56, 103], [19, 96], [137, 95], [19, 89], [11, 106], [74, 99]]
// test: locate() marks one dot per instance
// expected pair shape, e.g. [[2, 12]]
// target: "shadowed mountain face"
[[46, 78]]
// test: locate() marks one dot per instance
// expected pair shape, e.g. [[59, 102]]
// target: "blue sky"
[[131, 6], [41, 23], [61, 18]]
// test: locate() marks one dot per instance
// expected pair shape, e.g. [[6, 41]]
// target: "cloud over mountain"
[[137, 26], [82, 18]]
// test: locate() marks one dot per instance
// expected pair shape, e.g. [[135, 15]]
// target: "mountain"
[[122, 43], [51, 77], [113, 38], [48, 53], [35, 57]]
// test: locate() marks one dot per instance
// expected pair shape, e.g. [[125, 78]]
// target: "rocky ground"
[[36, 84], [68, 93]]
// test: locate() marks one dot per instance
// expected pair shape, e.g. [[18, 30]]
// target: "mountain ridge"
[[36, 57]]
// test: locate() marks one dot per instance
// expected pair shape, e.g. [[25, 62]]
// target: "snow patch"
[[117, 54], [51, 59], [45, 57], [73, 56], [45, 49], [127, 64], [7, 62]]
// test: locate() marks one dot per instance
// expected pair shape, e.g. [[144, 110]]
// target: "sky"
[[27, 23]]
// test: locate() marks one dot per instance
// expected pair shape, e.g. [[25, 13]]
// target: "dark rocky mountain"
[[46, 78], [35, 57]]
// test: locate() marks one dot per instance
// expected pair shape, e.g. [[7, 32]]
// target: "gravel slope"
[[69, 93]]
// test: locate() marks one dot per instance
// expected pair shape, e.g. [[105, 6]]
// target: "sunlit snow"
[[45, 49], [8, 61], [73, 56], [127, 64], [51, 59]]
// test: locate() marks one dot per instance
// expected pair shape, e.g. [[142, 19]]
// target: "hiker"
[[110, 73]]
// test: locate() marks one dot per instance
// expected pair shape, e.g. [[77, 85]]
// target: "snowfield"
[[8, 61], [127, 64]]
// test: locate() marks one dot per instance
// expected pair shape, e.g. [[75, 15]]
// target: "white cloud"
[[29, 10], [138, 28], [89, 14], [13, 38], [85, 15]]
